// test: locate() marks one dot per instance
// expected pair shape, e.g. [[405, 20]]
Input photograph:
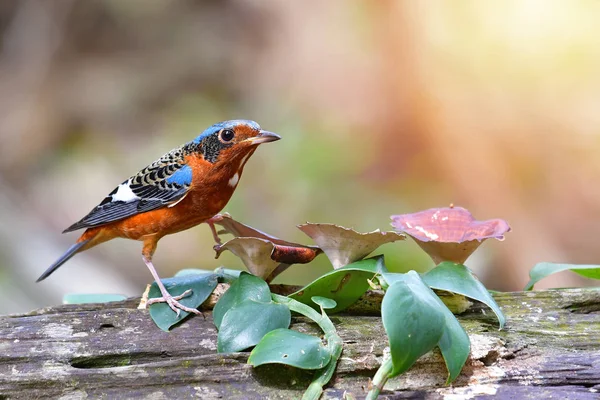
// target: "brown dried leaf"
[[294, 254], [449, 233], [255, 253], [344, 246], [265, 259], [238, 229]]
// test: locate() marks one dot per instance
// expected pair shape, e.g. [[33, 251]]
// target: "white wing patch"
[[234, 180], [124, 193]]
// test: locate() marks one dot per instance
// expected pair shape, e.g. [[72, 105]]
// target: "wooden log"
[[550, 348]]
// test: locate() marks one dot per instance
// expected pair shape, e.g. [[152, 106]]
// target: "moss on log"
[[550, 348]]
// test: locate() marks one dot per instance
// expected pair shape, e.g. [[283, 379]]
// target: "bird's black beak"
[[263, 137]]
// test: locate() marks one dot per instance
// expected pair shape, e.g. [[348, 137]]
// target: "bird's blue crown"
[[231, 124]]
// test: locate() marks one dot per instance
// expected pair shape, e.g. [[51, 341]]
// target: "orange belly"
[[209, 193], [194, 209]]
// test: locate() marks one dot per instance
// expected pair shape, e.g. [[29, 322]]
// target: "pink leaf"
[[449, 233]]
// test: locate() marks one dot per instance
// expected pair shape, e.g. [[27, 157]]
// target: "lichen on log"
[[549, 348]]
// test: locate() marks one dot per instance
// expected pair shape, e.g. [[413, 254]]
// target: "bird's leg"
[[166, 296], [211, 224]]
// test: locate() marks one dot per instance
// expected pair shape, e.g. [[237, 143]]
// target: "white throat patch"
[[234, 180]]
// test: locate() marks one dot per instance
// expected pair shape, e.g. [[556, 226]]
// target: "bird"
[[185, 187]]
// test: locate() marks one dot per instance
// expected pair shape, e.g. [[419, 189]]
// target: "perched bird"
[[185, 187]]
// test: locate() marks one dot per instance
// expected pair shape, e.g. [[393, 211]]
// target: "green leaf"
[[82, 298], [227, 275], [247, 286], [324, 302], [392, 277], [193, 271], [543, 269], [412, 319], [245, 324], [202, 286], [457, 278], [284, 346], [344, 285], [454, 343]]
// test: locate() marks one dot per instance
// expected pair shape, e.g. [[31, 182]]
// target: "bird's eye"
[[226, 135]]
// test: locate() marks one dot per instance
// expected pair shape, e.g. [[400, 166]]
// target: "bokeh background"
[[385, 107]]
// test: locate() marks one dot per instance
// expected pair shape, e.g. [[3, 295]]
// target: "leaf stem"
[[381, 377], [334, 344]]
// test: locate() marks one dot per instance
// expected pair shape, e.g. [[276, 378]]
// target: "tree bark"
[[550, 348]]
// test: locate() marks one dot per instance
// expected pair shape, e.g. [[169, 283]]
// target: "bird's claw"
[[174, 304]]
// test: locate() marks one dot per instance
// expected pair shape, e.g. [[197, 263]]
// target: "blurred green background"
[[384, 107]]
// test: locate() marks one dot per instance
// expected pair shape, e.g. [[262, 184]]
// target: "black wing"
[[162, 183]]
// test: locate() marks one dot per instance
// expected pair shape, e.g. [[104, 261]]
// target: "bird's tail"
[[64, 258]]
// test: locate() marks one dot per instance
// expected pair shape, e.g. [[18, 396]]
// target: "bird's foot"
[[174, 304]]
